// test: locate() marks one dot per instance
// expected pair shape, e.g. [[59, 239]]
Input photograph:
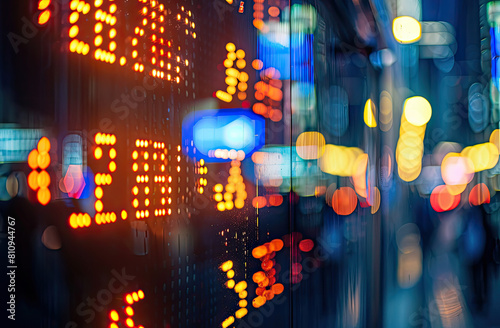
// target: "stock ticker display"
[[256, 163]]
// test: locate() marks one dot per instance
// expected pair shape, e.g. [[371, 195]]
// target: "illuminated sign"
[[218, 135], [146, 157], [97, 29], [150, 191]]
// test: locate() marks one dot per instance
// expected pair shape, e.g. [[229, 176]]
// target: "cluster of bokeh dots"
[[266, 280], [44, 16], [39, 181], [126, 319], [235, 185], [239, 288], [236, 79], [268, 93]]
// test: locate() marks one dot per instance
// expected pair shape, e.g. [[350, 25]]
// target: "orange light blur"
[[43, 196], [33, 180], [33, 159]]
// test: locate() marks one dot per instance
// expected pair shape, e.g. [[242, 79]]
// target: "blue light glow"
[[228, 129]]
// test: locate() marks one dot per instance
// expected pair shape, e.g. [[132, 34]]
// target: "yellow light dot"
[[406, 29], [98, 206], [73, 18], [98, 153], [98, 41], [112, 166], [240, 54], [73, 31], [310, 145], [73, 45], [368, 114], [417, 110], [230, 47], [98, 192]]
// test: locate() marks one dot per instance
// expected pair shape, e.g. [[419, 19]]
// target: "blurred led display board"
[[140, 174], [135, 34], [228, 130]]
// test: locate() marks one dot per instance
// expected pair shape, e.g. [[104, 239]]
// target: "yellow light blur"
[[73, 45], [310, 145], [221, 206], [98, 153], [98, 192], [98, 41], [98, 206], [224, 96], [230, 47], [241, 63], [339, 160], [368, 114], [228, 322], [218, 187], [240, 54], [243, 77], [73, 31], [230, 284], [242, 86], [113, 315], [241, 286], [73, 18], [417, 110], [98, 28], [233, 72], [241, 313], [483, 156], [226, 266], [231, 56], [231, 81], [406, 29]]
